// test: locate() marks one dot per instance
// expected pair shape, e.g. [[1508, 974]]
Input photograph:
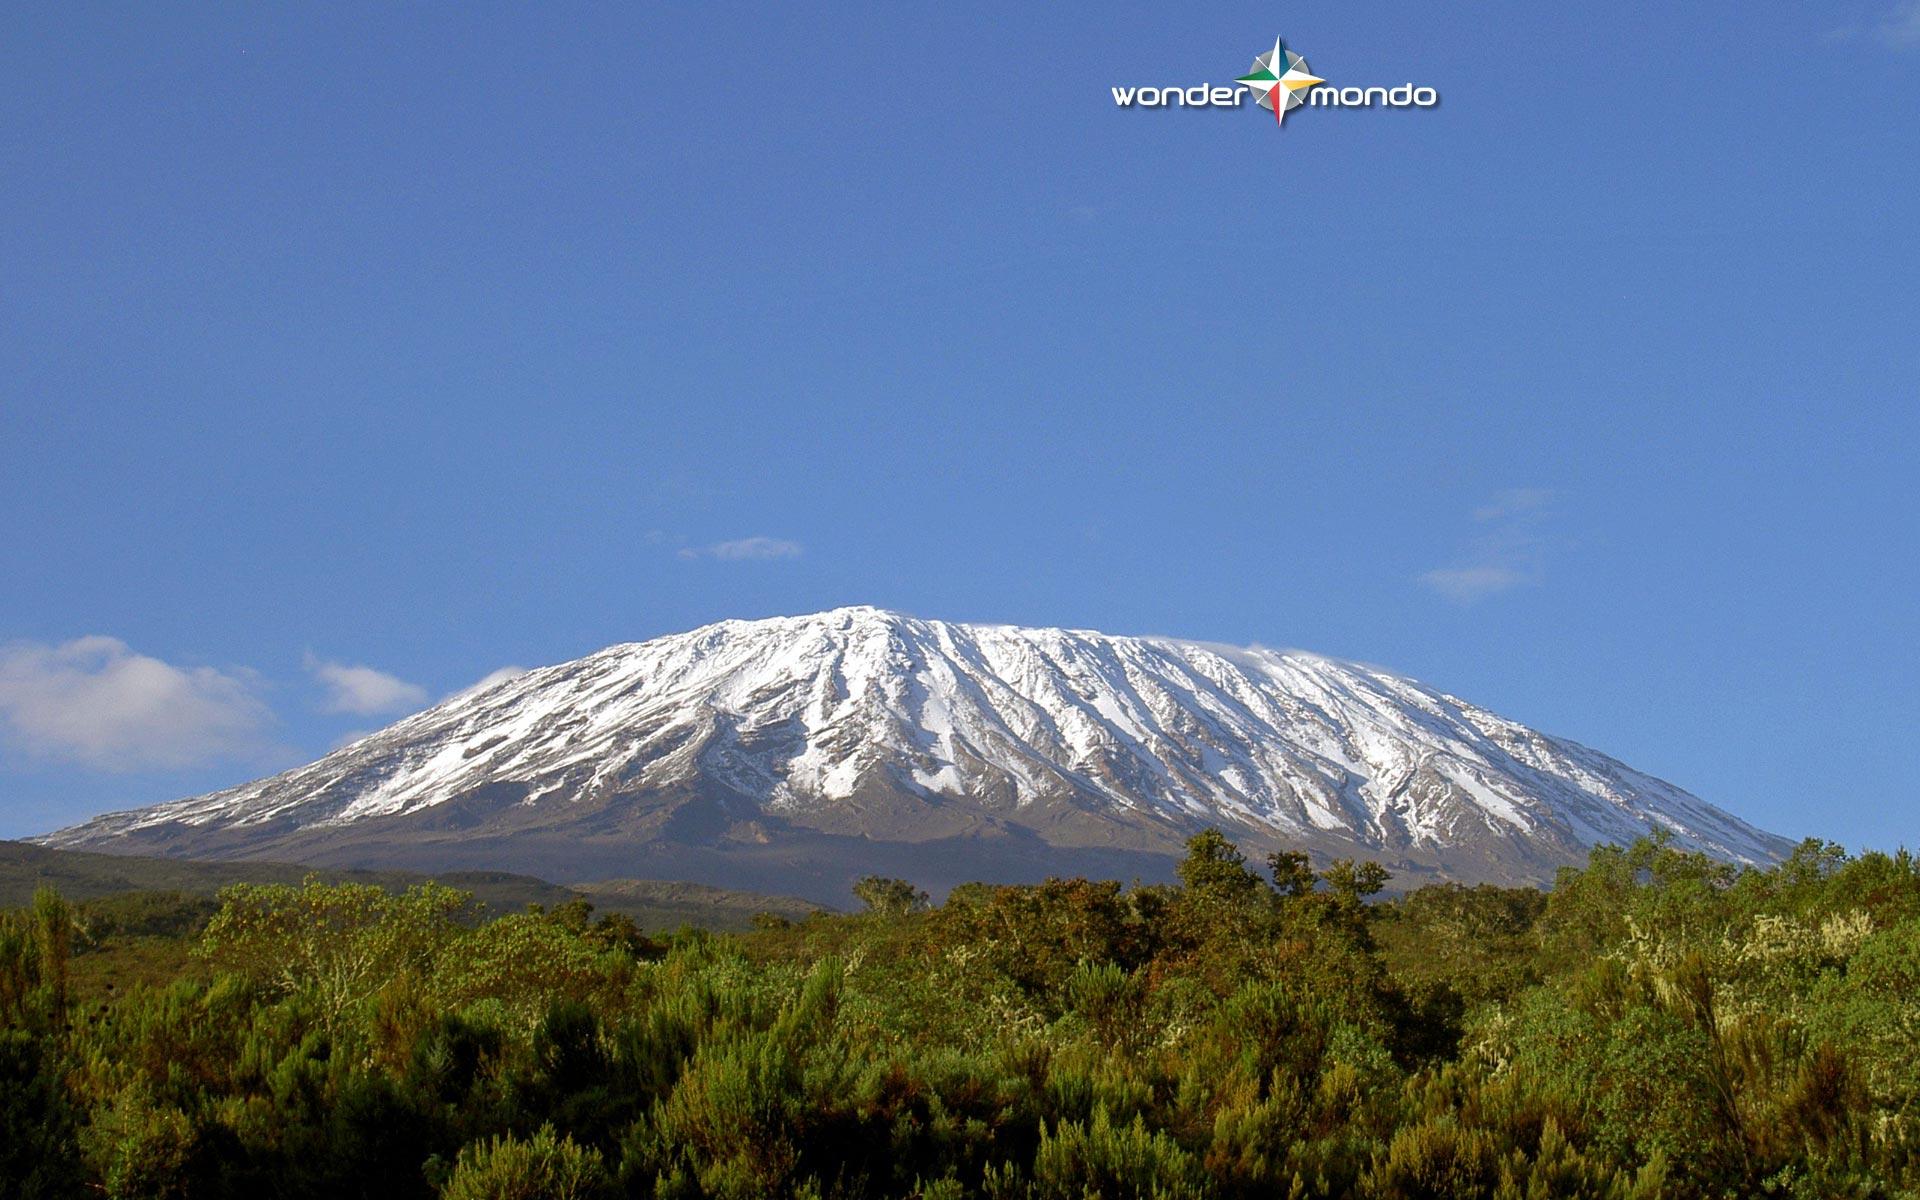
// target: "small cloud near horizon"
[[1514, 502], [96, 702], [1509, 552], [362, 691], [1897, 29], [746, 549], [1464, 585]]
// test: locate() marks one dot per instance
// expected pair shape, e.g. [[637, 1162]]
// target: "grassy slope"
[[82, 875], [663, 904]]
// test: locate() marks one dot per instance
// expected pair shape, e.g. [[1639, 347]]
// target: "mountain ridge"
[[776, 752]]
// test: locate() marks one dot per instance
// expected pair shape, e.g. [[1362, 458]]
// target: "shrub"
[[1434, 1160], [543, 1167], [140, 1150], [1077, 1160]]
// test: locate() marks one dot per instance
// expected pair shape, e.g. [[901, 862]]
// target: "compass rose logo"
[[1278, 78], [1279, 81]]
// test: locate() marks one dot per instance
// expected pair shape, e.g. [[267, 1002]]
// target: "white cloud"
[[742, 549], [1512, 503], [1464, 585], [94, 701], [1897, 29], [1900, 28], [363, 691], [1509, 551]]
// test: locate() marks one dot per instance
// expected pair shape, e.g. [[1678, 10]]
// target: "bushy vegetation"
[[1658, 1025]]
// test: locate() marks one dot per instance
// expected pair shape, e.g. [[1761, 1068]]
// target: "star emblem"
[[1277, 79]]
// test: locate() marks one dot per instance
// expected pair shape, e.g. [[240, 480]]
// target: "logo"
[[1279, 82], [1278, 77]]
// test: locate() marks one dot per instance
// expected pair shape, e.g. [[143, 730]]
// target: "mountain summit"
[[795, 753]]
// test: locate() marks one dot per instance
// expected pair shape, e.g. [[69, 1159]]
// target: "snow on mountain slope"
[[865, 723]]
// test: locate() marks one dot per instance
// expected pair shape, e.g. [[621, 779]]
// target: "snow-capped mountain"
[[797, 752]]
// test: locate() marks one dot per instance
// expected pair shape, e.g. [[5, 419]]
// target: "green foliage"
[[1353, 882], [36, 954], [39, 1155], [889, 897], [146, 914], [543, 1167], [1478, 943], [1292, 872], [520, 963], [1214, 867], [1660, 1025], [1113, 1003], [141, 1148], [335, 943], [1036, 937], [1436, 1159], [1095, 1158]]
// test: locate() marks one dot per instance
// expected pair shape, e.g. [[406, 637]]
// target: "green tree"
[[36, 950], [1215, 867], [336, 943], [1292, 872], [889, 897], [1351, 882]]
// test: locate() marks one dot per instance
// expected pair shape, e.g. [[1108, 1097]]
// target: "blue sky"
[[347, 356]]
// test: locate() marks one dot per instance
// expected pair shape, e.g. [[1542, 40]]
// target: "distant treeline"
[[1658, 1025]]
